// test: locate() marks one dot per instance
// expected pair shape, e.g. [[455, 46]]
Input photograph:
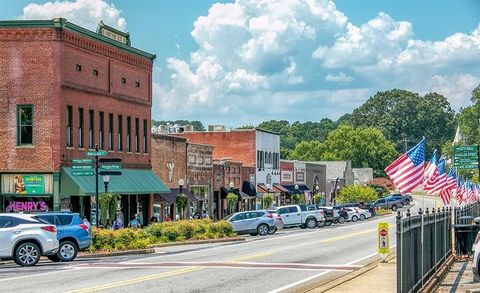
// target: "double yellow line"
[[161, 275]]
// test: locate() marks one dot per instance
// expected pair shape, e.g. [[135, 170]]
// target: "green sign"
[[83, 173], [96, 153], [82, 161], [29, 184], [467, 166], [469, 160], [463, 148], [111, 167], [465, 154], [82, 167]]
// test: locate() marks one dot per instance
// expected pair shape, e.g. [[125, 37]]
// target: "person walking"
[[134, 223]]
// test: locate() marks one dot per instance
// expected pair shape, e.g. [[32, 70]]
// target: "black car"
[[406, 199], [341, 213]]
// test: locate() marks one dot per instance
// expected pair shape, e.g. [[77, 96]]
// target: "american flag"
[[449, 188], [431, 175], [442, 176], [406, 172], [470, 193], [460, 191]]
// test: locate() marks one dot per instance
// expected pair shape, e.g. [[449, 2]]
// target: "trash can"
[[464, 238]]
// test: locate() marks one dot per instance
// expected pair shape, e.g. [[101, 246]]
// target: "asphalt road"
[[274, 263]]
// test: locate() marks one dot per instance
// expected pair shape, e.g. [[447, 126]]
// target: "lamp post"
[[296, 191], [180, 184], [316, 192], [268, 189], [106, 179], [231, 185]]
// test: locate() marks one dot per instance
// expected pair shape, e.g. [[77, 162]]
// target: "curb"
[[432, 283], [233, 239], [116, 253], [348, 276]]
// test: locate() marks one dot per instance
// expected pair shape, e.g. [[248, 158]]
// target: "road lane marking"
[[36, 275], [253, 256], [136, 280], [347, 236]]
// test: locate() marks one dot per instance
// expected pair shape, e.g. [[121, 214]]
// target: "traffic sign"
[[383, 239], [82, 167], [96, 153], [466, 155], [114, 173], [109, 160], [111, 167], [83, 173], [463, 148], [466, 160], [467, 166], [82, 161]]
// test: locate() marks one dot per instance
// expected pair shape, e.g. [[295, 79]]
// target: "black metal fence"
[[424, 242], [462, 214]]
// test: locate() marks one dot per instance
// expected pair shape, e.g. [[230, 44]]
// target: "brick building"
[[64, 90], [200, 175]]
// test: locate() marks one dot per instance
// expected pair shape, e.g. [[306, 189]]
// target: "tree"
[[307, 151], [357, 193], [107, 203], [365, 147], [469, 119], [232, 199], [382, 185], [402, 114], [317, 199], [181, 202], [267, 200]]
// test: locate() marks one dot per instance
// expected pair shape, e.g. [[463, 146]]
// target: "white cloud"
[[342, 77], [457, 87], [86, 13]]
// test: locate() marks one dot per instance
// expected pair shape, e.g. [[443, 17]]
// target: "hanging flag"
[[407, 171], [442, 176], [470, 193], [431, 175], [449, 188], [460, 191]]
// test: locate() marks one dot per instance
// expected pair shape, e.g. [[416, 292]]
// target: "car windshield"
[[227, 217]]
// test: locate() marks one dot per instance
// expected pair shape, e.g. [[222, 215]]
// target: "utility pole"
[[406, 144]]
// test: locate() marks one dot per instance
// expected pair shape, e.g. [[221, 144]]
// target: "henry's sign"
[[27, 206]]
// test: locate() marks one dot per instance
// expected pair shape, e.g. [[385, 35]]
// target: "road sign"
[[111, 167], [82, 167], [82, 161], [383, 238], [96, 153], [109, 160], [463, 148], [466, 161], [113, 173], [470, 167], [83, 173]]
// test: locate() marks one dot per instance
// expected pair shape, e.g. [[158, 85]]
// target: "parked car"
[[328, 213], [365, 206], [364, 214], [389, 203], [353, 215], [72, 233], [341, 214], [300, 216], [252, 222], [476, 259], [25, 238], [405, 199], [278, 221]]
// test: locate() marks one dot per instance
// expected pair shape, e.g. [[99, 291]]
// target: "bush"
[[382, 212], [124, 239], [357, 193], [382, 186]]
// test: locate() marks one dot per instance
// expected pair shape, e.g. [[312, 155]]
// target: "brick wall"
[[167, 149], [199, 164], [236, 145]]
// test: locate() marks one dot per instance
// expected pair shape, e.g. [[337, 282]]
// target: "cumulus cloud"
[[86, 13], [342, 77], [457, 87]]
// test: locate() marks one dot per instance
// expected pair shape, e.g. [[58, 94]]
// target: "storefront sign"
[[27, 206], [287, 176], [300, 176], [29, 184], [113, 36]]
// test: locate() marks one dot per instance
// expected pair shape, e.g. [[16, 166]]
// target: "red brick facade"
[[169, 152], [52, 68]]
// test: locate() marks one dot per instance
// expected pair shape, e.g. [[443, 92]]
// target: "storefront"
[[26, 193]]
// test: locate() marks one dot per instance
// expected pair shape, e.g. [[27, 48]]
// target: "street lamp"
[[316, 191], [180, 184], [268, 188], [232, 185], [106, 179]]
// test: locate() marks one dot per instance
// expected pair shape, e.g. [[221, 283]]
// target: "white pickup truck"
[[298, 215]]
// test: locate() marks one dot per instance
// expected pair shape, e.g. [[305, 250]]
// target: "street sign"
[[83, 173], [82, 161], [111, 167], [466, 160], [82, 167], [113, 173], [470, 167], [96, 153], [383, 239], [463, 148], [109, 160]]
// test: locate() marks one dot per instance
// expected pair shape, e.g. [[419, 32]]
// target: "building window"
[[137, 139], [78, 67], [129, 134], [80, 127], [110, 131], [124, 80], [137, 84], [69, 126], [91, 129], [145, 150], [100, 131], [24, 125], [120, 133], [95, 72]]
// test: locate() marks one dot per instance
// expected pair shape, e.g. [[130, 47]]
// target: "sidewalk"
[[460, 279], [374, 278]]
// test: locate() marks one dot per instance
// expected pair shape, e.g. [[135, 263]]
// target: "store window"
[[129, 134], [26, 192], [100, 130], [110, 131], [69, 126], [25, 125], [145, 150], [120, 133], [91, 126], [137, 138], [80, 127]]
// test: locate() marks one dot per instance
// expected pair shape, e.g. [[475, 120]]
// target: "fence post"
[[435, 238], [420, 212], [399, 251]]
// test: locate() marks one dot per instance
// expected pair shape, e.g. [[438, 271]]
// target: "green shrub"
[[357, 193]]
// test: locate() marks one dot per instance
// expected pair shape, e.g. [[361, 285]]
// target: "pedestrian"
[[89, 226], [118, 223], [205, 215], [134, 223], [153, 220], [167, 219]]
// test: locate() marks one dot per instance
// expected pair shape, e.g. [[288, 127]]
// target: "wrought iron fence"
[[424, 242]]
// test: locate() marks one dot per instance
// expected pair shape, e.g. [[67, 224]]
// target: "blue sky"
[[246, 62]]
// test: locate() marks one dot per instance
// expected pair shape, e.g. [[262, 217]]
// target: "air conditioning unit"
[[217, 128]]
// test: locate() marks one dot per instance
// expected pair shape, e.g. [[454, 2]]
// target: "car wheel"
[[354, 218], [67, 251], [27, 254], [328, 223], [341, 220], [362, 217], [321, 224], [53, 258], [273, 230], [263, 229], [394, 208], [311, 223]]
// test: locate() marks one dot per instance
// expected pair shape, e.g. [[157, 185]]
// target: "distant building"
[[338, 173], [362, 175]]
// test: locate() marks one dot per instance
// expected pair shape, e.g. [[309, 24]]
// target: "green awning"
[[132, 181]]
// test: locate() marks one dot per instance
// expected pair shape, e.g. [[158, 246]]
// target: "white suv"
[[24, 238], [476, 259]]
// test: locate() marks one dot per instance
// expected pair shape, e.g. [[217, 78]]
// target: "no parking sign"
[[383, 239]]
